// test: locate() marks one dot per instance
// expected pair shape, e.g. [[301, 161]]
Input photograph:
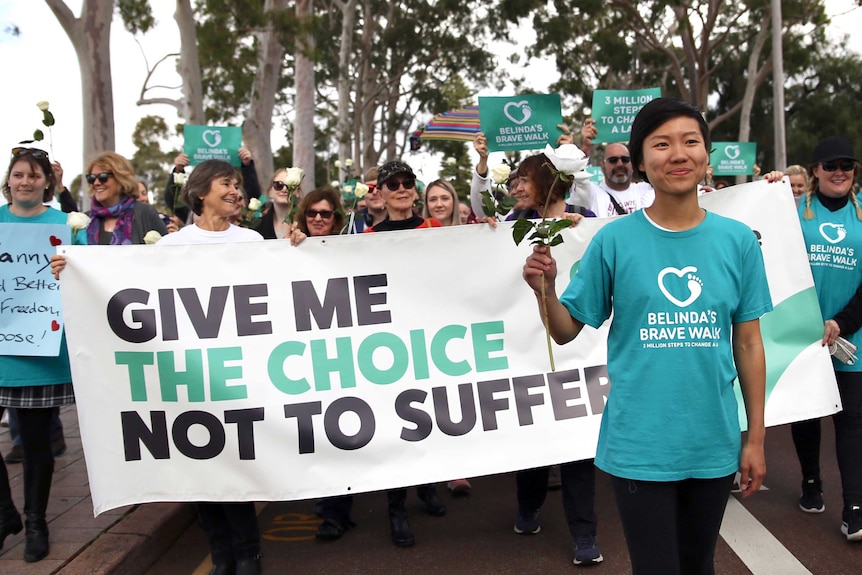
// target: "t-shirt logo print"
[[694, 285], [833, 233]]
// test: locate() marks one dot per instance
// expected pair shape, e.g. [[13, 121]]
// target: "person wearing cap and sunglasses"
[[33, 385], [831, 220], [116, 218], [397, 184]]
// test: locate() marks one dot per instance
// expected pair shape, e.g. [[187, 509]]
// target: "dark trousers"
[[14, 427], [336, 507], [35, 427], [848, 439], [231, 530], [671, 527], [578, 483]]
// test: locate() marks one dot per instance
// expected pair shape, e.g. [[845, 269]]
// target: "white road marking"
[[761, 552]]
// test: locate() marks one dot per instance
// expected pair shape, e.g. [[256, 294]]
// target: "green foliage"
[[545, 233], [151, 163], [497, 205], [137, 15]]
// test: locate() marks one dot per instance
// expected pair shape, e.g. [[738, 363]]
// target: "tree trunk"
[[342, 130], [303, 124], [753, 80], [189, 67], [90, 35]]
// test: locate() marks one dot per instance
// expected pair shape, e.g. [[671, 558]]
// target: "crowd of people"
[[672, 453]]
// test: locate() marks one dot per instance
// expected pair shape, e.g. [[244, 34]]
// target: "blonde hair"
[[455, 219], [814, 186], [121, 169]]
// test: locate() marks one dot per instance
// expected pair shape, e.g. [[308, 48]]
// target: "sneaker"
[[852, 525], [811, 500], [587, 551], [527, 523], [459, 487], [15, 455]]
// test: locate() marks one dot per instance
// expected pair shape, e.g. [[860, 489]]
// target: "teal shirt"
[[671, 413], [21, 371], [833, 241]]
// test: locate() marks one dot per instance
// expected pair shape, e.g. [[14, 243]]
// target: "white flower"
[[346, 188], [152, 237], [254, 204], [180, 179], [501, 173], [43, 105], [568, 159], [334, 183], [348, 162], [451, 161], [78, 221], [360, 190], [293, 177], [337, 163]]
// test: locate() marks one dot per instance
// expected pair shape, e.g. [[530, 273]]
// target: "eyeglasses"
[[615, 159], [278, 185], [408, 184], [324, 214], [843, 165], [372, 188], [102, 177], [35, 152]]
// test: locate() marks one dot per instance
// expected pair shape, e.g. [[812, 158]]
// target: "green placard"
[[212, 143], [525, 122], [615, 110], [733, 158]]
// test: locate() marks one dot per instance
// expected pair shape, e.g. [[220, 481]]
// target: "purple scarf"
[[123, 211]]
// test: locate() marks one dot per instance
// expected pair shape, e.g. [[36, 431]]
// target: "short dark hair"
[[198, 184], [314, 196], [653, 115], [39, 158], [539, 170]]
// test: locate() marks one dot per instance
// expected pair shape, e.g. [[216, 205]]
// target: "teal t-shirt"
[[20, 371], [671, 413], [833, 241]]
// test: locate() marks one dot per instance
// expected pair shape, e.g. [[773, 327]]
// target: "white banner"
[[260, 371]]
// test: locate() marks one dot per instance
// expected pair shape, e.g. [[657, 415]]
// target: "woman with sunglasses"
[[116, 217], [397, 183], [275, 222], [32, 385], [831, 219], [319, 213]]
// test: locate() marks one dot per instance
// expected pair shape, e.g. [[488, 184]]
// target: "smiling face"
[[675, 157], [106, 192], [399, 202], [440, 203], [223, 200], [838, 183], [617, 167], [525, 192], [797, 184], [26, 184], [279, 196], [318, 225]]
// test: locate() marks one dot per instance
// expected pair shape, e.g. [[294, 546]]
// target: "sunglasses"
[[102, 177], [408, 184], [278, 185], [324, 214], [615, 159], [35, 152], [843, 165]]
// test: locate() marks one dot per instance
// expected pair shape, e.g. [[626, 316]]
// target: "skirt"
[[37, 396]]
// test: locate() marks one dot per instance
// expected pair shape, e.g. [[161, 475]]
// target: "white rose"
[[334, 184], [180, 179], [337, 163], [568, 159], [293, 177], [501, 173], [360, 190], [43, 105], [78, 220], [152, 237], [347, 188], [348, 162], [451, 161], [254, 204]]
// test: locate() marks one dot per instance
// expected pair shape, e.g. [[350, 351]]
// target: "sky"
[[49, 71]]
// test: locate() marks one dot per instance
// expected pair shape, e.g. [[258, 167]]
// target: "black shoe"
[[10, 524], [58, 447], [402, 536], [248, 566], [433, 505], [811, 500], [223, 569], [15, 455], [35, 539], [332, 529]]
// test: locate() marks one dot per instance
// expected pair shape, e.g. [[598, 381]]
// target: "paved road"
[[765, 534]]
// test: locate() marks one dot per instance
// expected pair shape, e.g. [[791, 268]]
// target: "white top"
[[192, 234], [639, 195]]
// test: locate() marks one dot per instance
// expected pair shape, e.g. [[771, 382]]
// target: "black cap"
[[390, 169], [833, 148]]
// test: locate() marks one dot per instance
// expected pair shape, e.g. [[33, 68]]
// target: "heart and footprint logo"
[[211, 138], [518, 112], [669, 284], [732, 151], [833, 233]]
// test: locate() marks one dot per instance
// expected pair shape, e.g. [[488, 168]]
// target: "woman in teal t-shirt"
[[686, 289], [831, 220], [32, 384]]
